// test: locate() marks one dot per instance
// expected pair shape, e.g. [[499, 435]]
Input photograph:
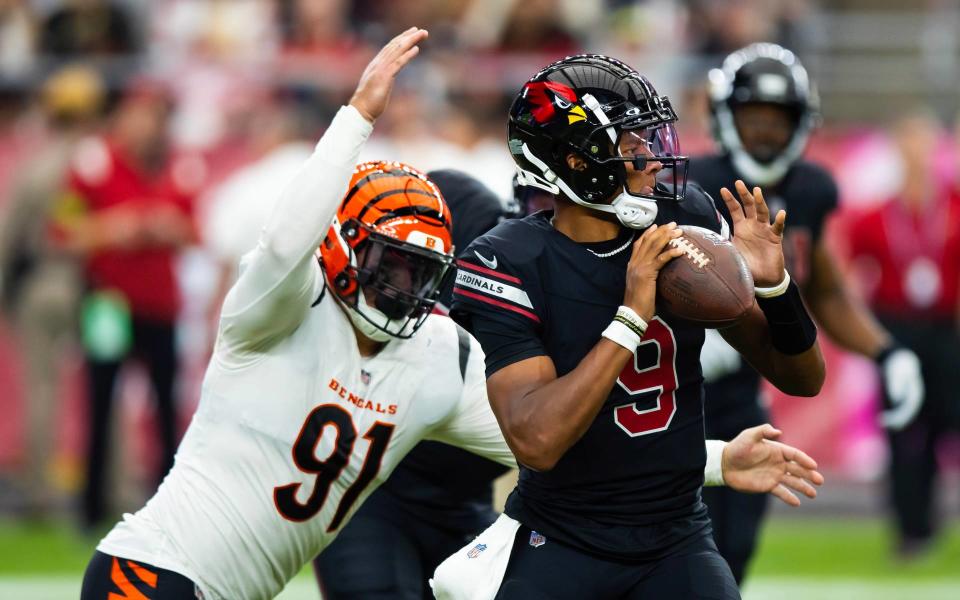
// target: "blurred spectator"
[[128, 212], [230, 31], [317, 26], [654, 26], [908, 251], [240, 206], [42, 284], [537, 26], [377, 20], [718, 27], [88, 27], [435, 134], [17, 33], [214, 53]]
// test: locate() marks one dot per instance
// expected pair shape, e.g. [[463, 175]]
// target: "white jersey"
[[294, 428]]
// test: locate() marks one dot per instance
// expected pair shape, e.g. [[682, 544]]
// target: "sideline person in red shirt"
[[908, 253], [128, 211]]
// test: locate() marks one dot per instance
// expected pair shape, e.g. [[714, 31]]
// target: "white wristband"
[[713, 472], [622, 335], [777, 290], [627, 313]]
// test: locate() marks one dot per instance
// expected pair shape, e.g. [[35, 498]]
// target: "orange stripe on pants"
[[120, 580], [148, 577]]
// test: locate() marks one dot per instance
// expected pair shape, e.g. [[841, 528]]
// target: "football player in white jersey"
[[305, 406]]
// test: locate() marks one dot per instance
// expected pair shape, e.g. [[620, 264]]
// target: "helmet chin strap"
[[366, 319], [631, 211]]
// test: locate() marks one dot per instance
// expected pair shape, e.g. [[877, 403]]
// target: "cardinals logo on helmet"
[[547, 96]]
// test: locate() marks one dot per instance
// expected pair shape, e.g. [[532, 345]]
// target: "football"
[[710, 284]]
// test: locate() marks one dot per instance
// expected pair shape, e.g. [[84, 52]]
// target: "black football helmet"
[[609, 115], [769, 74]]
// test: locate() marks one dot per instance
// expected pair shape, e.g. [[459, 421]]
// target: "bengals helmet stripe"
[[419, 211], [376, 199], [362, 182]]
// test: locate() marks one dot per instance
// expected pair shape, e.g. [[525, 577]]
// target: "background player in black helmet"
[[600, 398], [763, 110], [439, 497]]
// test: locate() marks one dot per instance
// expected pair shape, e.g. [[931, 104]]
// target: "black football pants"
[[153, 342], [737, 519], [380, 558], [110, 577], [555, 571], [913, 451]]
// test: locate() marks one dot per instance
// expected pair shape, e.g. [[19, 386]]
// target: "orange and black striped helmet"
[[389, 249]]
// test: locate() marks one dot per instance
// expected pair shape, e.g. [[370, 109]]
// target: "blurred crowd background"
[[194, 106]]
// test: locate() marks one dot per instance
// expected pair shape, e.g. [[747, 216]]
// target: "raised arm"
[[778, 336], [280, 278]]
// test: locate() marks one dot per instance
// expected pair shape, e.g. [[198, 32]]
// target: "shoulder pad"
[[520, 240], [816, 184], [499, 269], [815, 176]]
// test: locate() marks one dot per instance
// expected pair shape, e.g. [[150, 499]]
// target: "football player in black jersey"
[[763, 109], [600, 397], [439, 496]]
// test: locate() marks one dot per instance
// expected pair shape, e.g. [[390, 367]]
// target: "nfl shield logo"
[[476, 550], [365, 377], [537, 540]]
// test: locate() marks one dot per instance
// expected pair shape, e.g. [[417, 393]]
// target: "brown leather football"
[[710, 284]]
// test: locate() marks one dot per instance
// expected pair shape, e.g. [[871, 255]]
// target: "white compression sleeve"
[[280, 276]]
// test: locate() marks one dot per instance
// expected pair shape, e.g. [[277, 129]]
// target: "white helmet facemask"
[[754, 171]]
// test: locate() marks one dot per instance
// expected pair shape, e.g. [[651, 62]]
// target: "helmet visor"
[[654, 167]]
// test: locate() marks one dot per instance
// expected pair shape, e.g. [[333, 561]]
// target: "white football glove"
[[717, 358], [902, 384]]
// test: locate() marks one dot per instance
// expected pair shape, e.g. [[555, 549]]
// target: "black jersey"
[[630, 487], [808, 194], [439, 484]]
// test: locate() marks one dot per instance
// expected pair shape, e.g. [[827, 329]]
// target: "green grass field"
[[799, 558]]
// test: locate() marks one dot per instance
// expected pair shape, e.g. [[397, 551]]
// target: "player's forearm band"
[[777, 290], [791, 329], [626, 329], [713, 470]]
